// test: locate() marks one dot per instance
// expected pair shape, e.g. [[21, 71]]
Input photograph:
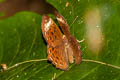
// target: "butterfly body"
[[60, 47]]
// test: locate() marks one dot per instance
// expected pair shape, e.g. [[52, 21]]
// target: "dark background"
[[10, 7]]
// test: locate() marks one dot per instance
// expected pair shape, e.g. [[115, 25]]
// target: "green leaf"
[[23, 49]]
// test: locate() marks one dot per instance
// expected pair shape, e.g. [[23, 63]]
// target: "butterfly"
[[62, 47]]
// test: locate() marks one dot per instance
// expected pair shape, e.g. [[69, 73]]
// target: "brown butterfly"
[[61, 47]]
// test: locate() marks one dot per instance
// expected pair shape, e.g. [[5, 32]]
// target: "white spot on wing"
[[61, 65], [61, 20], [63, 36], [49, 50], [50, 59], [55, 63], [47, 25]]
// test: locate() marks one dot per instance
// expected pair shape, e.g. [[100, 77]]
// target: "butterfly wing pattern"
[[60, 47], [55, 44]]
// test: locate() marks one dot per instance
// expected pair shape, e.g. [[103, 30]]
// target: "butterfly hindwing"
[[58, 56], [68, 49], [71, 40]]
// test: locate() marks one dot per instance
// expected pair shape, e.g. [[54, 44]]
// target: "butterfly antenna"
[[74, 21]]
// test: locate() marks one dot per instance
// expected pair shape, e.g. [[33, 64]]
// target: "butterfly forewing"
[[50, 31], [56, 50]]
